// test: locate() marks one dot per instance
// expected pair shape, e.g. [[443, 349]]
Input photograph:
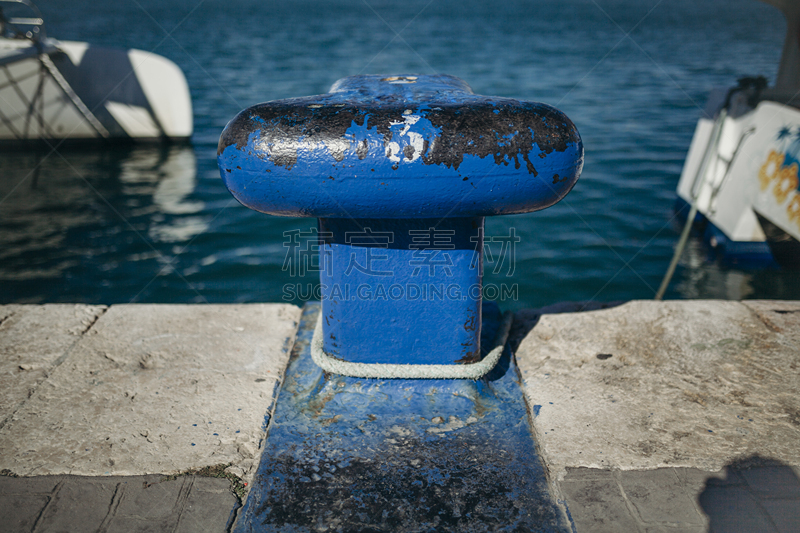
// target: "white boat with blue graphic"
[[53, 90], [741, 172]]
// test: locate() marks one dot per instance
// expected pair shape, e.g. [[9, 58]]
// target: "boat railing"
[[21, 27]]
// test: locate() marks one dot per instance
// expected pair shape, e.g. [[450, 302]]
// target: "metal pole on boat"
[[697, 189]]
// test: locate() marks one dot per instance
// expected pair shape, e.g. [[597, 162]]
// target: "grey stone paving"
[[35, 340], [56, 504], [752, 497], [670, 417], [150, 389], [128, 397], [647, 384]]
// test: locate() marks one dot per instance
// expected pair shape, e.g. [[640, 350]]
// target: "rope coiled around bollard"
[[398, 371]]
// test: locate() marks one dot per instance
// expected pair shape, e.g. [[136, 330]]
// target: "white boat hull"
[[743, 174], [75, 91]]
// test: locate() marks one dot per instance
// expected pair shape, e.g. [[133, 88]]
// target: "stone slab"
[[208, 507], [55, 504], [19, 513], [647, 384], [34, 339], [785, 514], [745, 496], [156, 389], [659, 497], [782, 317], [76, 506], [596, 504]]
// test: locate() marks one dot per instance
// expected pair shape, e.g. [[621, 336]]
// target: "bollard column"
[[402, 291], [400, 171]]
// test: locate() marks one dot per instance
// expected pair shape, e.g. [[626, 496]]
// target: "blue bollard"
[[401, 172]]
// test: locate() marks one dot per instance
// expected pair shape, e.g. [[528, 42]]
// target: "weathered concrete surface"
[[782, 318], [673, 416], [664, 384], [34, 339], [625, 440], [154, 389]]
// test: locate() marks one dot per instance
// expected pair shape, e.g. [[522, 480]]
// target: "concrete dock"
[[647, 416]]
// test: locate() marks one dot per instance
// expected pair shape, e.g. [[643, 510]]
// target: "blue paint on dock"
[[349, 454]]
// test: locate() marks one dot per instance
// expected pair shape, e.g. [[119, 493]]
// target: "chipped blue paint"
[[400, 155], [347, 454], [373, 149]]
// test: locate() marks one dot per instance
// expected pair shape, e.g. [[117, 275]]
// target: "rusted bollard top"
[[399, 147]]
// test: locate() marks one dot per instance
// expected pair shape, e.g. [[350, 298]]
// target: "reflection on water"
[[157, 225], [93, 210], [36, 215], [703, 277], [173, 177]]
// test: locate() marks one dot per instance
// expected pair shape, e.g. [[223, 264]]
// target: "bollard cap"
[[399, 147]]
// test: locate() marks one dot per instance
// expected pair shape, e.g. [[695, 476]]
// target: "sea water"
[[156, 224]]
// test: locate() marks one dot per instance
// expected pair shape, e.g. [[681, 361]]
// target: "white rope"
[[394, 371]]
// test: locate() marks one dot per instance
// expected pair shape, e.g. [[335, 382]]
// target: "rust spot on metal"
[[470, 323]]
